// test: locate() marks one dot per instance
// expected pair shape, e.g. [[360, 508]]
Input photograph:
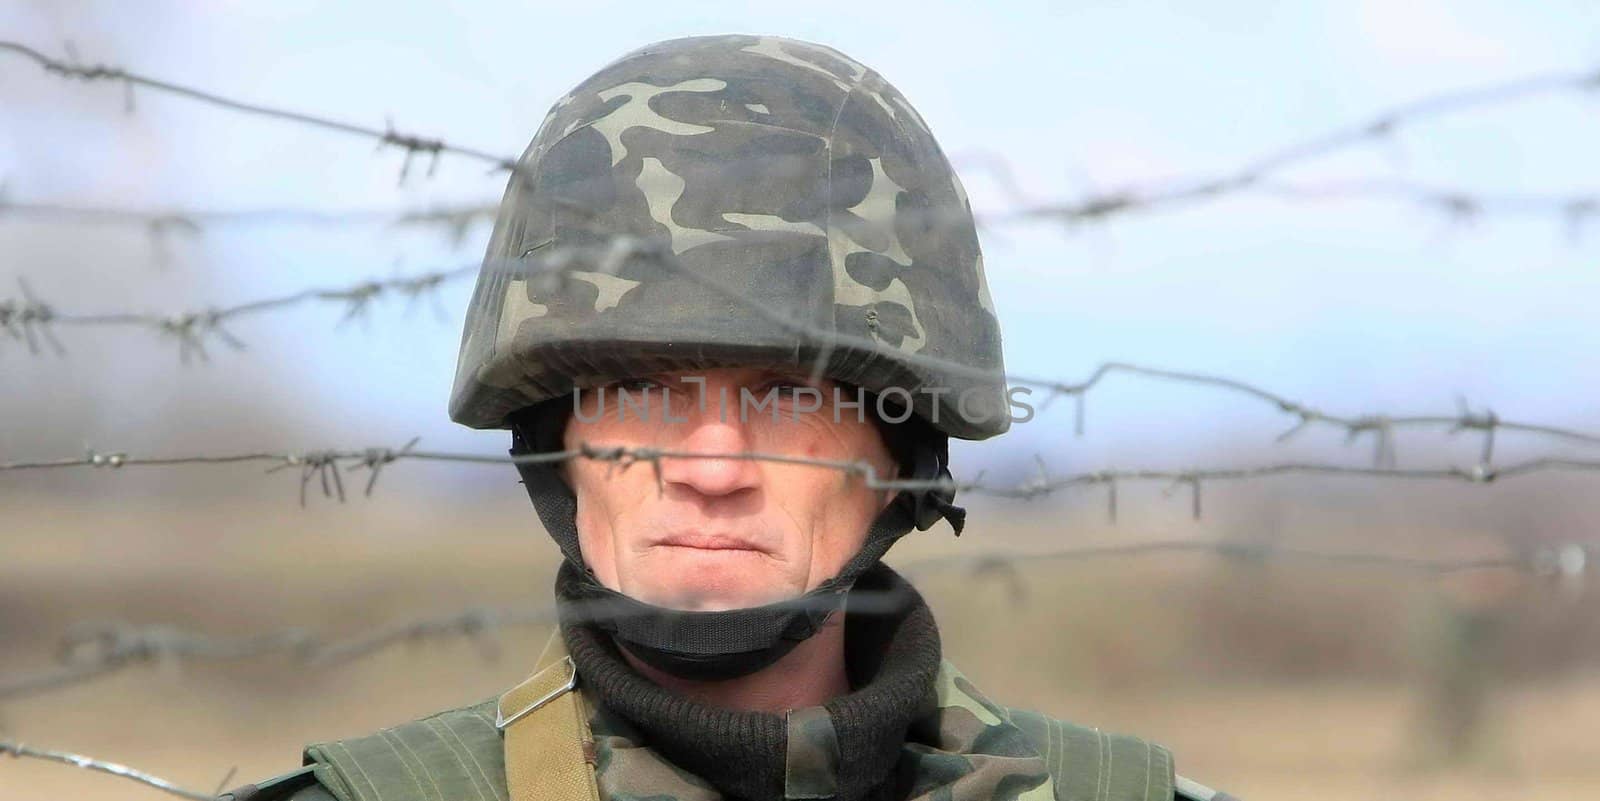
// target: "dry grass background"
[[1278, 680]]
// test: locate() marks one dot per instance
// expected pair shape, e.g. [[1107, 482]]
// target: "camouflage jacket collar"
[[965, 748], [943, 740]]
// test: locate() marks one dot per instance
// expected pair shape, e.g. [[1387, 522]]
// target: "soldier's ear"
[[890, 494], [541, 428], [553, 437]]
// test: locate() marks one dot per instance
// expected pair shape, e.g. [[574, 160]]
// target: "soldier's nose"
[[712, 475]]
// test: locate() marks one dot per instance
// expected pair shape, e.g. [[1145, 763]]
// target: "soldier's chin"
[[717, 594]]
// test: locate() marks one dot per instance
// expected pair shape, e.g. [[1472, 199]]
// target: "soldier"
[[750, 245]]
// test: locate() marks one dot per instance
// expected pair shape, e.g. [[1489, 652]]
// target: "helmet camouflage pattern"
[[788, 207]]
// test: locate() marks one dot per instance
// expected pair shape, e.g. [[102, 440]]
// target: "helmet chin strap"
[[720, 644]]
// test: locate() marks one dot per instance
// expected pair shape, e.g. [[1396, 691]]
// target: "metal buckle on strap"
[[502, 720]]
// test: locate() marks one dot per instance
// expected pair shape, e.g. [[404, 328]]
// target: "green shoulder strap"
[[1088, 764], [455, 755], [460, 754]]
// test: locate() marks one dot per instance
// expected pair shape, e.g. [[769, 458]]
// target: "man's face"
[[723, 533]]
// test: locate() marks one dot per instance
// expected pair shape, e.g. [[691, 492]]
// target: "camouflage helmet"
[[788, 208]]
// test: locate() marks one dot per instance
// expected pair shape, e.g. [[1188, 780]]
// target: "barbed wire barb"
[[1382, 431], [28, 320], [226, 779], [1486, 422], [375, 458], [192, 330], [1111, 499]]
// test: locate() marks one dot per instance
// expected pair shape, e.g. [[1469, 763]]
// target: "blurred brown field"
[[1274, 680]]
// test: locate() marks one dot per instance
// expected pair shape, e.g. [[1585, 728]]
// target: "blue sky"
[[1354, 305]]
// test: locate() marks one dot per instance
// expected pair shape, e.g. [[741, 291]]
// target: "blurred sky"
[[1354, 305]]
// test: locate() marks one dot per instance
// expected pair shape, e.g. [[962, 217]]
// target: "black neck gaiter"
[[892, 656]]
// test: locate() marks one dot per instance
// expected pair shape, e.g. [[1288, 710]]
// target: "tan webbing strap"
[[546, 732]]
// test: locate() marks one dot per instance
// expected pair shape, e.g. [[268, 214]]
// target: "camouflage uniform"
[[958, 745], [982, 750], [748, 201]]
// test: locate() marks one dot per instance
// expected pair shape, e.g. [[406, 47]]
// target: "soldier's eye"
[[635, 385], [789, 388]]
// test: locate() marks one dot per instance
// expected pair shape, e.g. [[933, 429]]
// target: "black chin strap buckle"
[[928, 506]]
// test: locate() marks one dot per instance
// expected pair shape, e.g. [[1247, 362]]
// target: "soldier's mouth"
[[709, 542]]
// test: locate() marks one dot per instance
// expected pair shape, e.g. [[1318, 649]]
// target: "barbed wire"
[[410, 143], [96, 651], [1568, 560], [20, 750], [1458, 205], [620, 249], [30, 320], [101, 649], [546, 270], [325, 467], [1252, 175], [106, 648], [93, 651], [22, 318]]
